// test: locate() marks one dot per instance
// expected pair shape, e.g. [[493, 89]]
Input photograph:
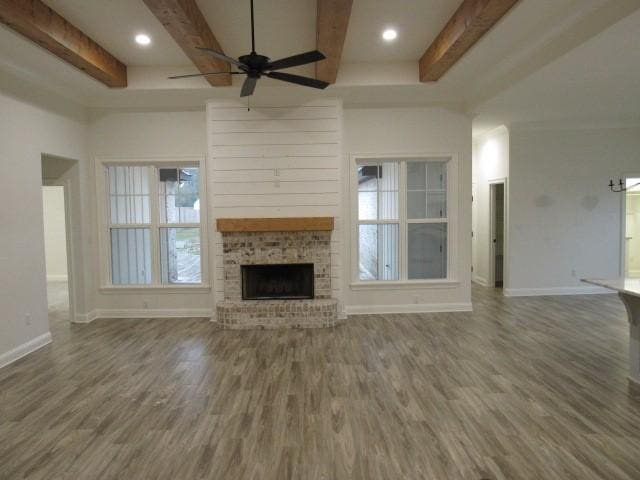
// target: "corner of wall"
[[25, 349]]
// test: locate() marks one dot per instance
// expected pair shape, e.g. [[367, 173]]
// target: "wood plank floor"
[[527, 388]]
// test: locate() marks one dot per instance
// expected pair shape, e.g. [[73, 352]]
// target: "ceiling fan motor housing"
[[254, 64]]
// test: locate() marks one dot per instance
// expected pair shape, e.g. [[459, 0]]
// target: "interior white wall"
[[490, 163], [565, 223], [55, 237], [26, 131], [131, 135], [395, 131]]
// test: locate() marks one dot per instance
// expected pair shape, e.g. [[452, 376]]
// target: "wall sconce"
[[621, 186]]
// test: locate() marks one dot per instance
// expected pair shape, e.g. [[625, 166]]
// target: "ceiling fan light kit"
[[254, 66]]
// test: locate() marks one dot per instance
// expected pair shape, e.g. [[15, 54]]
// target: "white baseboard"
[[57, 278], [25, 349], [144, 313], [408, 308], [85, 317], [480, 281], [555, 291]]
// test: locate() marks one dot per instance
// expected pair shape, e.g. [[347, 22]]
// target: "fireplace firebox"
[[289, 281]]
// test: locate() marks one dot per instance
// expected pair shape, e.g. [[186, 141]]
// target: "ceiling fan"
[[255, 66]]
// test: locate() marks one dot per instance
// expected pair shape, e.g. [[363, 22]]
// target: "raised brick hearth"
[[277, 313], [280, 247]]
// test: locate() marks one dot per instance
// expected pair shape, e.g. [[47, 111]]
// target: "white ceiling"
[[114, 25], [598, 81], [506, 75], [283, 28], [417, 24]]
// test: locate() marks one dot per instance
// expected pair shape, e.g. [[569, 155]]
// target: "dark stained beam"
[[186, 24], [42, 25], [471, 21], [331, 31]]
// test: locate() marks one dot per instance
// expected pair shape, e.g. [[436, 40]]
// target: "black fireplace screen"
[[290, 281]]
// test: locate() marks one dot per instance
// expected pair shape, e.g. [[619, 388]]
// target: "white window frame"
[[104, 223], [358, 160], [623, 222]]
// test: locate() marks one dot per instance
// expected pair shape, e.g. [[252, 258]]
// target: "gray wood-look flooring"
[[527, 388]]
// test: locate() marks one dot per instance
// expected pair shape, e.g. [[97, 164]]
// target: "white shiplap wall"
[[275, 161]]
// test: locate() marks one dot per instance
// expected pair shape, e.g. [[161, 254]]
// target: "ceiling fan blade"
[[299, 80], [248, 86], [222, 56], [204, 74], [295, 60]]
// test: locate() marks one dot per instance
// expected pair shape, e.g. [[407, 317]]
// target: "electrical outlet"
[[573, 273], [416, 299], [145, 304], [27, 318], [276, 184]]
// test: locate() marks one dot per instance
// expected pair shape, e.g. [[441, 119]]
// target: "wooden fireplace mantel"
[[285, 224]]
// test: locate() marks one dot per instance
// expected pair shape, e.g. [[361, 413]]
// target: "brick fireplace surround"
[[276, 241]]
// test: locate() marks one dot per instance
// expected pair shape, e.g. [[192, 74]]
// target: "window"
[[154, 228], [402, 227], [378, 221], [426, 220]]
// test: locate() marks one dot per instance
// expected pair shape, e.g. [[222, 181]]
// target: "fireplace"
[[276, 273], [285, 281]]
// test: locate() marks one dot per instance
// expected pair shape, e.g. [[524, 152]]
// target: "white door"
[[497, 219]]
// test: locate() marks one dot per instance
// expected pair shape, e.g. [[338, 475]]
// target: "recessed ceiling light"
[[143, 39], [389, 34]]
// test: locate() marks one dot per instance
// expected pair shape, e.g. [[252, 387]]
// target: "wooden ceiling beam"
[[331, 31], [471, 21], [186, 24], [47, 28]]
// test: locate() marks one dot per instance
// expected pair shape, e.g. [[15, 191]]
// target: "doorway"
[[55, 248], [497, 238], [632, 228], [59, 181]]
